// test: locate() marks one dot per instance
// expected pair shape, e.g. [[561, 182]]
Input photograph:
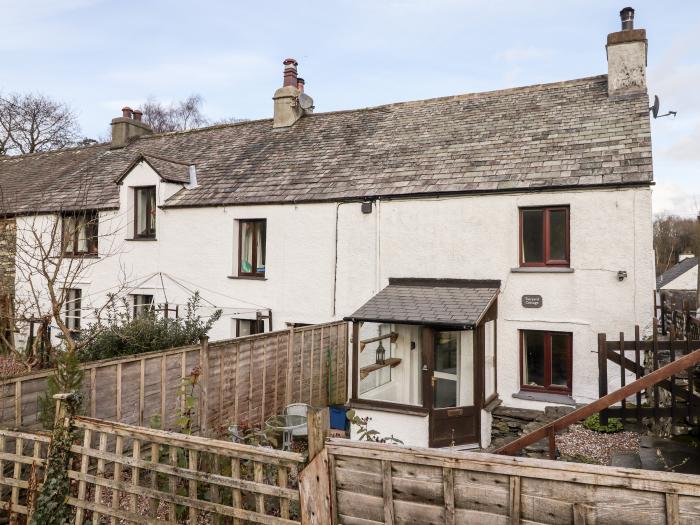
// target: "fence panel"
[[376, 483], [138, 475], [246, 380]]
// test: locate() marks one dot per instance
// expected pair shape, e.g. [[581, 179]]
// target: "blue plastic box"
[[338, 419]]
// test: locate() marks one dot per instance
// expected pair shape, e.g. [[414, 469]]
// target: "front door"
[[449, 386]]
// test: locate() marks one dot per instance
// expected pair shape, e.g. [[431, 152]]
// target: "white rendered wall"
[[411, 430], [467, 237]]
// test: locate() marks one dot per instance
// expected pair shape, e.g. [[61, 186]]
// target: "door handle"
[[433, 380]]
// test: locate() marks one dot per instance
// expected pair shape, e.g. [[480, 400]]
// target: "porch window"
[[389, 363], [145, 212], [251, 247], [143, 304], [544, 236], [72, 309], [546, 361], [79, 233]]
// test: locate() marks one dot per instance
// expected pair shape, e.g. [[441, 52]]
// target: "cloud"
[[523, 54], [687, 148], [673, 199], [194, 72]]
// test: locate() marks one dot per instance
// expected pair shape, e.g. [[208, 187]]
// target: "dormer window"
[[79, 233], [145, 212]]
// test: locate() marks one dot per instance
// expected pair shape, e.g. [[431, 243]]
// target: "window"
[[142, 305], [249, 327], [544, 236], [251, 247], [546, 361], [72, 308], [79, 233], [145, 212]]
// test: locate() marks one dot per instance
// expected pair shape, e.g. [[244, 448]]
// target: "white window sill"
[[248, 277], [541, 269]]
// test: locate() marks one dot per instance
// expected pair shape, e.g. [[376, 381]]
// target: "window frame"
[[137, 306], [91, 224], [150, 217], [547, 387], [254, 262], [257, 327], [72, 320], [546, 261]]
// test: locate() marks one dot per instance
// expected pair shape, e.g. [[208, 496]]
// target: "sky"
[[99, 55]]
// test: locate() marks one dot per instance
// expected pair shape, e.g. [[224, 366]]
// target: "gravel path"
[[597, 447]]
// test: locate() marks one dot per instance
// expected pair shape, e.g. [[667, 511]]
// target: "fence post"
[[602, 374], [317, 423], [204, 386]]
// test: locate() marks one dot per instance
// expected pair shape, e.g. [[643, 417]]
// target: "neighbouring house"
[[477, 243], [681, 276]]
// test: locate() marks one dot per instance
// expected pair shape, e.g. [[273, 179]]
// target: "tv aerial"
[[655, 109], [305, 102]]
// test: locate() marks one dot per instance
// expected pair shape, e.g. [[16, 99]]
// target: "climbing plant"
[[52, 504]]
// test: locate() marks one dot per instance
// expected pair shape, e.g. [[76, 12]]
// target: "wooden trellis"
[[144, 476], [22, 461]]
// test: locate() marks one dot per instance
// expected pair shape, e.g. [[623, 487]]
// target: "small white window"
[[142, 304], [72, 309]]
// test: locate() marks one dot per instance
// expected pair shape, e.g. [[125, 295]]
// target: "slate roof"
[[556, 135], [453, 302], [169, 170], [676, 271]]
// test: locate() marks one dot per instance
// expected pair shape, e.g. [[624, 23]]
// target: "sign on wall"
[[532, 301]]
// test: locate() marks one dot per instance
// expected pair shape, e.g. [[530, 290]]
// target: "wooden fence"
[[676, 397], [373, 483], [242, 380], [140, 475]]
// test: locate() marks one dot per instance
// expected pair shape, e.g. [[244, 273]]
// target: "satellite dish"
[[655, 107], [305, 102]]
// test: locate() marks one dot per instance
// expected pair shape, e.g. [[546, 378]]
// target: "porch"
[[424, 360]]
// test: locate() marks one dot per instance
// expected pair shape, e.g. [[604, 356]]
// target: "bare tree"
[[673, 236], [31, 123], [181, 116], [54, 254]]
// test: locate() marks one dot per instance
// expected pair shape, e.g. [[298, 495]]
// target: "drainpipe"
[[378, 247]]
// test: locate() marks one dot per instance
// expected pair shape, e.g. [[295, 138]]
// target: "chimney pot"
[[137, 115], [290, 72], [300, 84], [127, 112], [627, 18]]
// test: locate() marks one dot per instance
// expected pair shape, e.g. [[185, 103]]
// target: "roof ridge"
[[4, 158], [490, 93]]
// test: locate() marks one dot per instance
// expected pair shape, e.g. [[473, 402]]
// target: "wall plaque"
[[532, 301]]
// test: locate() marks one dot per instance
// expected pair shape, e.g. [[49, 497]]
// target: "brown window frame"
[[150, 215], [546, 260], [254, 265], [547, 387], [70, 243]]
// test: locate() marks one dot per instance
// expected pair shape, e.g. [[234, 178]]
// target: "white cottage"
[[477, 243]]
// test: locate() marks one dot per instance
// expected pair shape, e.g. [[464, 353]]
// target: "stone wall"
[[7, 256]]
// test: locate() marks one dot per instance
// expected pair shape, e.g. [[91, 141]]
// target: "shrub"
[[593, 423], [121, 334]]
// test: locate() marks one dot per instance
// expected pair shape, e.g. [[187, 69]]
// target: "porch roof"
[[449, 302]]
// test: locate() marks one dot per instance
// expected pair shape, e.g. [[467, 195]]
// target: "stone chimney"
[[128, 127], [287, 106], [627, 58]]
